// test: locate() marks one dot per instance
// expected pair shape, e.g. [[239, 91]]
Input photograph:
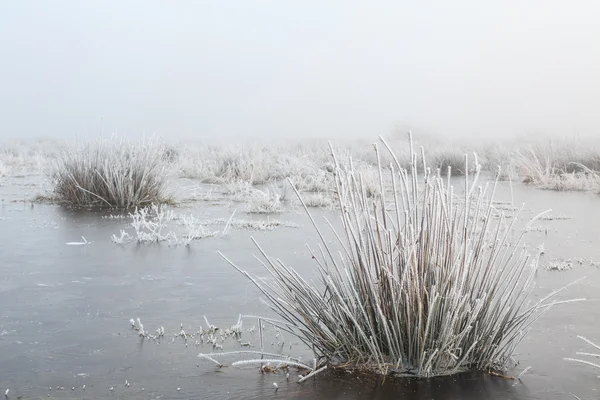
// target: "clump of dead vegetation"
[[561, 166], [111, 172], [422, 281], [158, 223]]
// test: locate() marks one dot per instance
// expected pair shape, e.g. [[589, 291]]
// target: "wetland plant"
[[153, 224], [449, 157], [549, 169], [156, 223], [264, 202], [150, 223], [111, 172], [4, 170], [421, 280], [319, 200], [579, 353]]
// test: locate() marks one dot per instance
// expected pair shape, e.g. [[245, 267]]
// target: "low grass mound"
[[4, 170], [111, 172], [422, 281], [561, 166]]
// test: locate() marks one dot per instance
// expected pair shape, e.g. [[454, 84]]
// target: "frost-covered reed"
[[111, 172], [423, 280], [157, 223], [154, 223], [580, 353], [264, 202], [561, 166], [4, 170], [319, 200]]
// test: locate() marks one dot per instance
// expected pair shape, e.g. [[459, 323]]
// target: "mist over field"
[[331, 199], [272, 69]]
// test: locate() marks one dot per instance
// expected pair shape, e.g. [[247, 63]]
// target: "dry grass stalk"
[[595, 355]]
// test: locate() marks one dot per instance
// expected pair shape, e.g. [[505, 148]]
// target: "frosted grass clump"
[[221, 165], [548, 168], [238, 188], [26, 158], [150, 223], [111, 172], [421, 281], [264, 202], [194, 230], [316, 180], [4, 170], [449, 157], [319, 200], [155, 223]]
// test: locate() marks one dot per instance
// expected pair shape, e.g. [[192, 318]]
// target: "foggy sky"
[[244, 69]]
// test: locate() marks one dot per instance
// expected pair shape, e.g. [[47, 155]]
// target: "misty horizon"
[[267, 69]]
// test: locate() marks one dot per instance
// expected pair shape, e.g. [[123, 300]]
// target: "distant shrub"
[[111, 172]]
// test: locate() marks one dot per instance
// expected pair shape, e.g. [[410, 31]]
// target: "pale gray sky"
[[298, 68]]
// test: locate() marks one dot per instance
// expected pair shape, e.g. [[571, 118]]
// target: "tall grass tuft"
[[561, 167], [111, 172], [422, 280]]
